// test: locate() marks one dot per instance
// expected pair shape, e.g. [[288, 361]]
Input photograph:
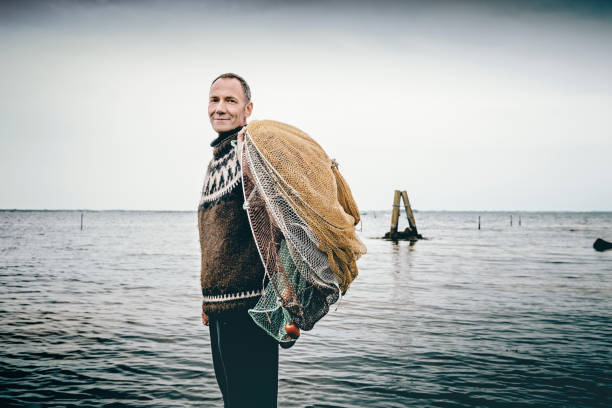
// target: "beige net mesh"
[[302, 215], [315, 189]]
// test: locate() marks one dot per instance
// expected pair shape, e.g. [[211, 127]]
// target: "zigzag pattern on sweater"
[[232, 296], [222, 176]]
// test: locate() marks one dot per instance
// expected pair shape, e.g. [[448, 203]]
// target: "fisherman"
[[245, 358]]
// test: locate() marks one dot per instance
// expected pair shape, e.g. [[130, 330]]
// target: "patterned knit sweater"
[[232, 272]]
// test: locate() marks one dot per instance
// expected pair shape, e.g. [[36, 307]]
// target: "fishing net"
[[302, 216]]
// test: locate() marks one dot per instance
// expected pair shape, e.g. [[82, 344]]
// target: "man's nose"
[[220, 108]]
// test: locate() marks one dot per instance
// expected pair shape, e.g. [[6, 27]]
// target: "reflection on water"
[[498, 317]]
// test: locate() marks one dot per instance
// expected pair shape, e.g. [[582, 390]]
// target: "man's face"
[[227, 105]]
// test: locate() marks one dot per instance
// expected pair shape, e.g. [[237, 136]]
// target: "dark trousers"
[[245, 360]]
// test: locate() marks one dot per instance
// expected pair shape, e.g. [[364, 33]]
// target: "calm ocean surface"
[[504, 316]]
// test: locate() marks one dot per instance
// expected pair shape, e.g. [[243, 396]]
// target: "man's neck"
[[224, 135]]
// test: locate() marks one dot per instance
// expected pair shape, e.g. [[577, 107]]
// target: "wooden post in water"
[[519, 220], [479, 222], [395, 213], [409, 213], [411, 232], [510, 219], [81, 221]]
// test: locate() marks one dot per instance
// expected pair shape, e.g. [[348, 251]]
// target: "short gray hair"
[[245, 87]]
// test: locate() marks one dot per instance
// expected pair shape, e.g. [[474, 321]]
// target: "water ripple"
[[500, 317]]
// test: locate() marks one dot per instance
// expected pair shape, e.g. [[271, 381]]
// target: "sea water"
[[501, 316]]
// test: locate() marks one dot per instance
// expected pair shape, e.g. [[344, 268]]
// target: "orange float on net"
[[292, 330]]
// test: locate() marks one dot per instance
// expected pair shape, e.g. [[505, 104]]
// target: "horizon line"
[[361, 212]]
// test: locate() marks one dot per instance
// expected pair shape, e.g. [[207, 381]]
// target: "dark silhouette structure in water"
[[410, 233], [602, 245]]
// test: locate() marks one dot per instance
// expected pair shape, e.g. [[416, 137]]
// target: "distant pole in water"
[[519, 220], [81, 221], [510, 219], [479, 222]]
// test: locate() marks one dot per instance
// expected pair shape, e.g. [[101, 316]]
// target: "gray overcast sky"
[[465, 105]]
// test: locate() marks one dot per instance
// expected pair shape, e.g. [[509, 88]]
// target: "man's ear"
[[248, 109]]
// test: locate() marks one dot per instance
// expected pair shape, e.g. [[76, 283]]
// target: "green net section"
[[268, 312]]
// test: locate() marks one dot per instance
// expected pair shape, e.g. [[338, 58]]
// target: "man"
[[245, 358]]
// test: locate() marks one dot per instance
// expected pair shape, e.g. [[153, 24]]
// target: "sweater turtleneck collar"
[[225, 135]]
